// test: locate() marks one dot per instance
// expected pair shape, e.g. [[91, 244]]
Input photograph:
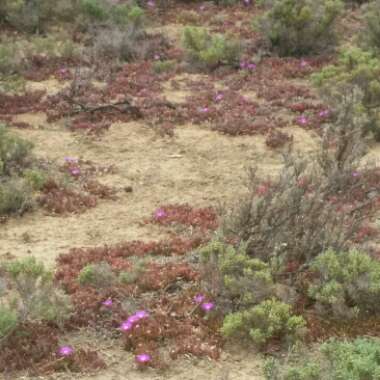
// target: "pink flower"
[[143, 358], [302, 120], [207, 306], [65, 351], [303, 63], [151, 3], [202, 7], [219, 97], [107, 303], [160, 213], [157, 57], [355, 174], [251, 66], [199, 298], [243, 65], [324, 113], [126, 326], [133, 319], [247, 2], [75, 171], [204, 110], [140, 314]]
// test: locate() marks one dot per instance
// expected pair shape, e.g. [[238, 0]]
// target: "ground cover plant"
[[127, 128]]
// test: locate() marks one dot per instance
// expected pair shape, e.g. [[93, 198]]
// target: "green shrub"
[[8, 321], [210, 51], [95, 10], [133, 275], [14, 152], [347, 283], [37, 298], [239, 279], [334, 360], [98, 275], [15, 196], [267, 320], [163, 66], [357, 73], [35, 178], [299, 27], [372, 30]]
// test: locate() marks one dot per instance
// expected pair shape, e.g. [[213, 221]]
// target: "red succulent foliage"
[[202, 218]]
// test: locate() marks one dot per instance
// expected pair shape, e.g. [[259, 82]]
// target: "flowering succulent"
[[65, 351], [160, 213], [126, 326], [199, 298], [143, 358], [107, 303], [302, 120], [207, 306]]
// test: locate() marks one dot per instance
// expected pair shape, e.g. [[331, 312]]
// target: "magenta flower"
[[65, 351], [157, 57], [199, 298], [247, 2], [107, 303], [303, 63], [302, 120], [204, 110], [141, 314], [324, 113], [133, 319], [202, 7], [126, 326], [75, 171], [207, 306], [219, 97], [151, 3], [355, 174], [251, 66], [160, 213], [143, 358]]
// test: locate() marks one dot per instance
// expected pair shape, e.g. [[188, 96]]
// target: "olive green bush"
[[357, 73], [299, 27], [208, 51], [346, 284], [267, 320], [372, 30], [34, 297], [334, 360], [98, 275]]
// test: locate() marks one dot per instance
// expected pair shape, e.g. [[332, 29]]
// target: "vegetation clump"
[[300, 27]]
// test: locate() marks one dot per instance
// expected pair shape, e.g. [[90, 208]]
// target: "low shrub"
[[210, 51], [36, 298], [299, 27], [268, 320], [98, 275], [8, 321], [14, 152], [347, 283], [356, 75], [372, 30], [15, 196], [334, 360]]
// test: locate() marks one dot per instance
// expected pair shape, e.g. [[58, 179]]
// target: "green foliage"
[[334, 360], [163, 66], [132, 275], [97, 275], [372, 30], [36, 296], [299, 27], [95, 10], [267, 320], [243, 280], [35, 178], [210, 51], [14, 152], [347, 283], [8, 320], [357, 72], [15, 196]]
